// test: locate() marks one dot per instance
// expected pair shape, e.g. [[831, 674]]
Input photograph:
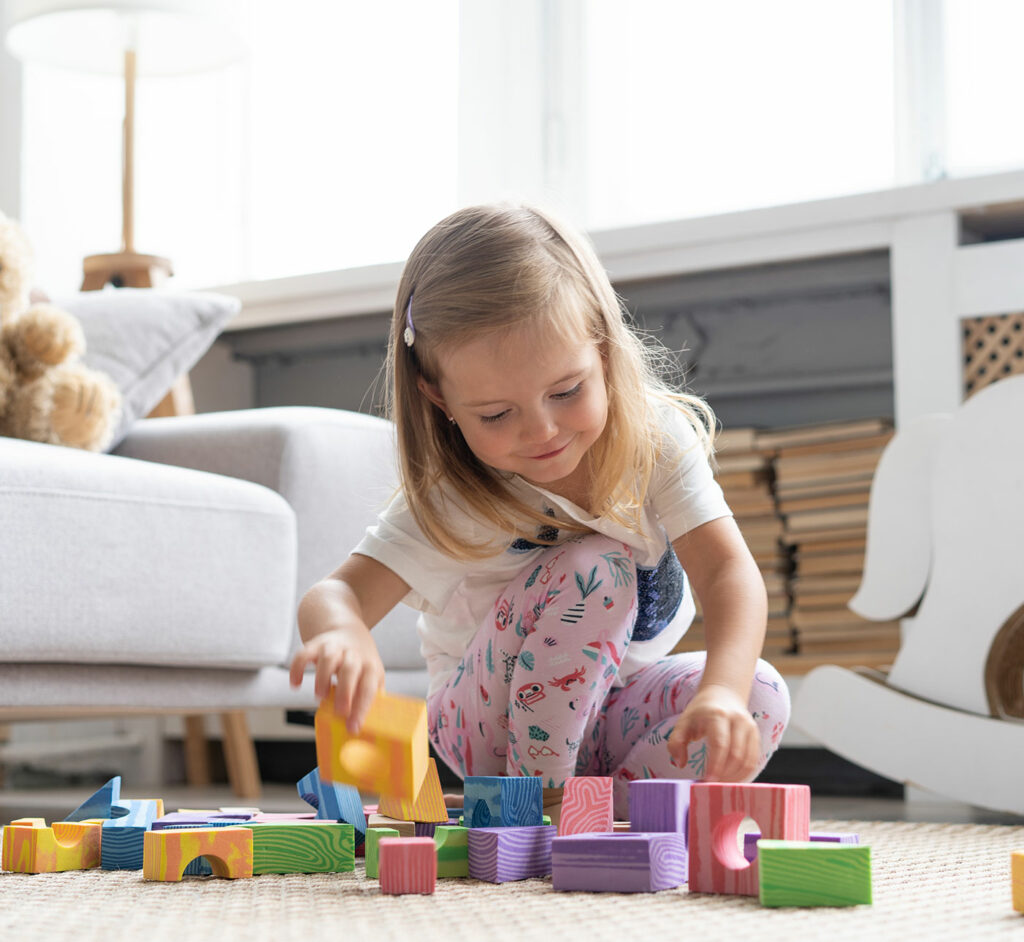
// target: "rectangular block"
[[388, 755], [502, 854], [404, 828], [373, 839], [717, 810], [619, 862], [452, 851], [123, 833], [751, 838], [1017, 879], [496, 801], [659, 804], [67, 845], [795, 873], [321, 847], [586, 805], [407, 865]]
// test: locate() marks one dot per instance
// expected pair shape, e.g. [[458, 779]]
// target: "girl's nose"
[[538, 427]]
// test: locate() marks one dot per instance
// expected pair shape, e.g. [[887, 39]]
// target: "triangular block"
[[333, 801], [99, 804], [428, 806]]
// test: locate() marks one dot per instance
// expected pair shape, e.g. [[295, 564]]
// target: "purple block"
[[426, 828], [659, 804], [751, 838], [626, 862], [499, 855]]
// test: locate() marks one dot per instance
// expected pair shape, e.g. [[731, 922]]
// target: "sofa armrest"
[[335, 468]]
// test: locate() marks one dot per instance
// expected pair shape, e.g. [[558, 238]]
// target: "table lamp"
[[134, 38]]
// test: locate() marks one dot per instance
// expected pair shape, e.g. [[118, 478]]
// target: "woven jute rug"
[[931, 881]]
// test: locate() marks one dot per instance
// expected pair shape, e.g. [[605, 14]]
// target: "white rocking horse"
[[946, 551]]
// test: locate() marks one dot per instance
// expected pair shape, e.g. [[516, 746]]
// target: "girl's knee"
[[770, 690]]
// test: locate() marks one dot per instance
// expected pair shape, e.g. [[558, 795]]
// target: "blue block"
[[498, 801], [123, 834], [98, 804], [334, 802]]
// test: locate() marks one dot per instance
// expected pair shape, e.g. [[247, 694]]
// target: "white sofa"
[[165, 577]]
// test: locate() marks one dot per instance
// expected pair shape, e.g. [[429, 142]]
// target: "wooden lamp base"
[[125, 270]]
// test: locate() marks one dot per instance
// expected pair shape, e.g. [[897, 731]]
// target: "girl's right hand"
[[346, 657]]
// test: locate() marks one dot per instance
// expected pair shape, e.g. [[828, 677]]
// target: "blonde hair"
[[487, 270]]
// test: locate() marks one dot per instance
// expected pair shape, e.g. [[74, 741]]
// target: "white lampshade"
[[170, 37]]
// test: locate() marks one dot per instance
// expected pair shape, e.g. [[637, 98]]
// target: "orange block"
[[166, 853], [428, 806], [717, 810], [31, 847], [389, 753], [1017, 879]]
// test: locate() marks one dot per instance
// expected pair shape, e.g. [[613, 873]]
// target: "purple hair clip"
[[409, 334]]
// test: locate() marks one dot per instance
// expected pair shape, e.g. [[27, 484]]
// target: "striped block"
[[99, 803], [499, 855], [199, 819], [586, 805], [452, 851], [751, 838], [428, 806], [389, 754], [167, 853], [66, 845], [333, 801], [373, 839], [1017, 879], [717, 811], [499, 801], [123, 833], [320, 847], [806, 873], [626, 862], [659, 804], [407, 865]]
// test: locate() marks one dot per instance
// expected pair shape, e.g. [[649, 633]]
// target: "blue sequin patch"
[[659, 594]]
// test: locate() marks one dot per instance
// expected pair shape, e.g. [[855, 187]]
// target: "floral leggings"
[[534, 694]]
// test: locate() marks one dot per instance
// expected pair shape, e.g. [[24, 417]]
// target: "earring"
[[451, 419]]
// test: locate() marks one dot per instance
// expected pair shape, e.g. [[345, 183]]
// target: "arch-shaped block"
[[717, 810], [67, 845], [167, 853]]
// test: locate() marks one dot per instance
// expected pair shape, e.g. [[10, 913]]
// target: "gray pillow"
[[143, 339]]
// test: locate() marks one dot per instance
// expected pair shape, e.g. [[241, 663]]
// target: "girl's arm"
[[728, 583], [335, 618]]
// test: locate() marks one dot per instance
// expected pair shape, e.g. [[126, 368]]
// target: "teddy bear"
[[47, 394]]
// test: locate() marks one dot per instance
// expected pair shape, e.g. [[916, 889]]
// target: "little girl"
[[556, 506]]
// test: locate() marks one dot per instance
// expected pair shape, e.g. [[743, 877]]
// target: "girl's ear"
[[432, 393]]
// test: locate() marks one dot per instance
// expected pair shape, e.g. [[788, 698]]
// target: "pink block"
[[586, 805], [407, 865], [717, 810]]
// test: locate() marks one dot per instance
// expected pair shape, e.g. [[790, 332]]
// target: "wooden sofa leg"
[[240, 755], [197, 756]]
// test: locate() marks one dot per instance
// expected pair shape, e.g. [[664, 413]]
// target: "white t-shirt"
[[456, 596]]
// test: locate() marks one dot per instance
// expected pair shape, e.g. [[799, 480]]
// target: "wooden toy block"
[[502, 854], [619, 863], [167, 853], [808, 873], [387, 756], [659, 804], [123, 833], [498, 801], [66, 845], [317, 847], [333, 801], [717, 810], [751, 838], [452, 851], [407, 865], [1017, 879], [586, 805], [373, 839], [429, 803], [404, 828], [99, 803]]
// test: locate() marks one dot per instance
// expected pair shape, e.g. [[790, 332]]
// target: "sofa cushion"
[[145, 339], [111, 560]]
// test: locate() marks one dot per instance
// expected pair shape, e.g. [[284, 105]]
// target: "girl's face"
[[527, 406]]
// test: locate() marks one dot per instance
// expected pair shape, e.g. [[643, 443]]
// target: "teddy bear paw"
[[86, 407]]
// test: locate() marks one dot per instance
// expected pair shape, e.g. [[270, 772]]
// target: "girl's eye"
[[569, 393], [494, 418]]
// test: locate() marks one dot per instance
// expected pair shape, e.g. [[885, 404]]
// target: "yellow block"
[[1017, 878], [389, 753], [32, 847], [429, 803], [166, 853]]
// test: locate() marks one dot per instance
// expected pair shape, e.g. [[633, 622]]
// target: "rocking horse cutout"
[[945, 551]]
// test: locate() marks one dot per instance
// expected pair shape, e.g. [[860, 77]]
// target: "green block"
[[452, 851], [373, 836], [302, 848], [799, 873]]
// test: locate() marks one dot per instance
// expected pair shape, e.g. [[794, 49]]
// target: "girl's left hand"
[[721, 718]]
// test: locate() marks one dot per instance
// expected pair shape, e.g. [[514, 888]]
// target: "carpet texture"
[[931, 881]]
